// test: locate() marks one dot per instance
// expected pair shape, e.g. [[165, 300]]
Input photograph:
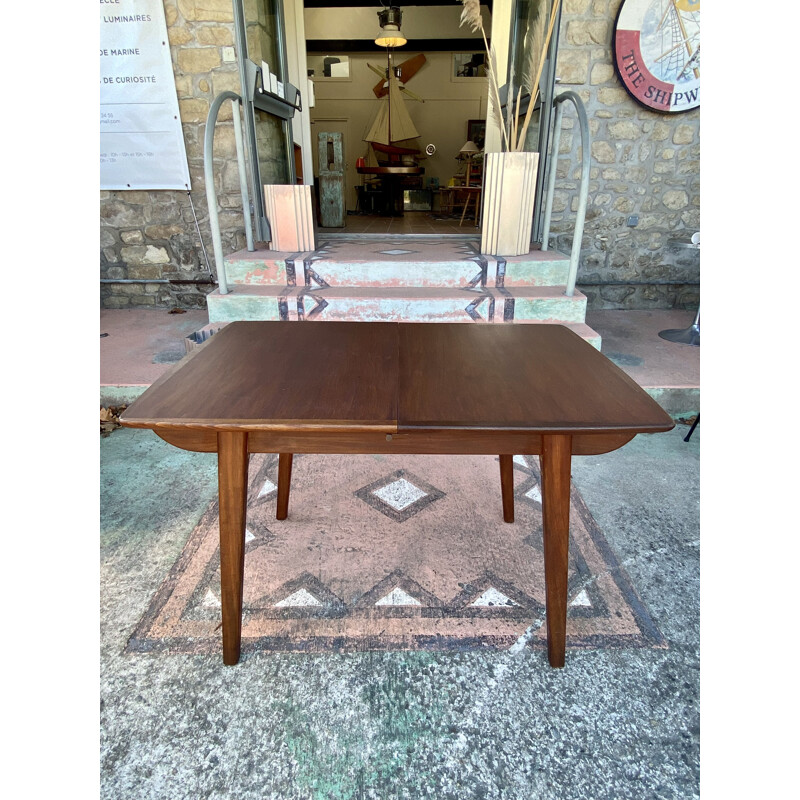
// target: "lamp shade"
[[389, 38], [390, 20], [470, 148]]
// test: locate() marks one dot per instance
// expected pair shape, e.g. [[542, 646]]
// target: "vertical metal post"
[[547, 89], [280, 34], [237, 129], [583, 193], [551, 182], [211, 192], [262, 229]]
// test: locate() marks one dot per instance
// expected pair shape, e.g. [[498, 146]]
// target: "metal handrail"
[[583, 193], [211, 194]]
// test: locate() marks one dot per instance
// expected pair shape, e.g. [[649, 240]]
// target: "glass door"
[[529, 22], [260, 39]]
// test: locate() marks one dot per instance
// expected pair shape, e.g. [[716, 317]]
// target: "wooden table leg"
[[466, 206], [284, 484], [556, 459], [507, 486], [232, 464]]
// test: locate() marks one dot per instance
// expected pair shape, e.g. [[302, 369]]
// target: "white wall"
[[419, 22]]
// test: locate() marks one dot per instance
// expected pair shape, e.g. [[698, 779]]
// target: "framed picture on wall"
[[476, 132]]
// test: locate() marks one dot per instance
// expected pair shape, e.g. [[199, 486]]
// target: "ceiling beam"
[[413, 45], [377, 4]]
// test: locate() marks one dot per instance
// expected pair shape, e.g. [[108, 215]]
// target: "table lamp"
[[467, 152]]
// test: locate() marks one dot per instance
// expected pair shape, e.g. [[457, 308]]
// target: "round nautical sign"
[[657, 52]]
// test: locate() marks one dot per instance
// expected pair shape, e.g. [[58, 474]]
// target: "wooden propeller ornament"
[[408, 69]]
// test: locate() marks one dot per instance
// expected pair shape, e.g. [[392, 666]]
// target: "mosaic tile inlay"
[[394, 552]]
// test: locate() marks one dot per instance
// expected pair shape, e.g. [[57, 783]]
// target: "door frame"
[[248, 78], [297, 49]]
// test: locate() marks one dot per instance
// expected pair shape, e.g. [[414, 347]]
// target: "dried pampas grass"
[[537, 42], [471, 15]]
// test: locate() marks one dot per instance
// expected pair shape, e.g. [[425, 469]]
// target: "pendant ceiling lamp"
[[390, 20]]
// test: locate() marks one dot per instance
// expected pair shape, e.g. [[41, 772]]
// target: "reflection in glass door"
[[529, 23]]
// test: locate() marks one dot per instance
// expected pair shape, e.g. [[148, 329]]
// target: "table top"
[[394, 377]]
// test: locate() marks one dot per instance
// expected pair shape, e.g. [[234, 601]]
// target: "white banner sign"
[[141, 139]]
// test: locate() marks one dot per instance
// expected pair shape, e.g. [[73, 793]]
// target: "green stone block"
[[229, 308], [563, 310]]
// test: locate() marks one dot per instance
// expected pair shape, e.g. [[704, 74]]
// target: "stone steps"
[[390, 262], [401, 304], [581, 328], [399, 279]]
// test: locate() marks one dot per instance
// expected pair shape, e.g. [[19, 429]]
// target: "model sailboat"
[[392, 131]]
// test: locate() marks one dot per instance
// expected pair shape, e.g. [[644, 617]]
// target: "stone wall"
[[644, 164], [152, 235]]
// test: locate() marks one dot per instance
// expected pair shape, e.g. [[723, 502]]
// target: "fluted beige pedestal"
[[291, 219], [509, 189]]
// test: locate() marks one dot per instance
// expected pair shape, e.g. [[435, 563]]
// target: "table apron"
[[464, 442]]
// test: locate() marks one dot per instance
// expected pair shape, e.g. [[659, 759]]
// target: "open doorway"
[[412, 118]]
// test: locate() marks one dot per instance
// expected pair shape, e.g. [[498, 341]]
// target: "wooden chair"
[[472, 192]]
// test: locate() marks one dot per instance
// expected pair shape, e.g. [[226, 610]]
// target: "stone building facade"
[[644, 164], [153, 235]]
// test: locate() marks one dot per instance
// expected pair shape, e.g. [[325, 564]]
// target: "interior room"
[[398, 117]]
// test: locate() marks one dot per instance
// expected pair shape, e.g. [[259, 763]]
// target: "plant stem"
[[510, 106], [493, 84], [514, 142]]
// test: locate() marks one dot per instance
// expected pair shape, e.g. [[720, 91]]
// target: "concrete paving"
[[614, 723]]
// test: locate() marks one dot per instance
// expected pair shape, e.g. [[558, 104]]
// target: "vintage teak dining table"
[[383, 387]]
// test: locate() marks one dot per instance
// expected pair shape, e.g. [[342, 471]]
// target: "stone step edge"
[[271, 256], [263, 254], [330, 233], [407, 292], [450, 270], [581, 328]]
